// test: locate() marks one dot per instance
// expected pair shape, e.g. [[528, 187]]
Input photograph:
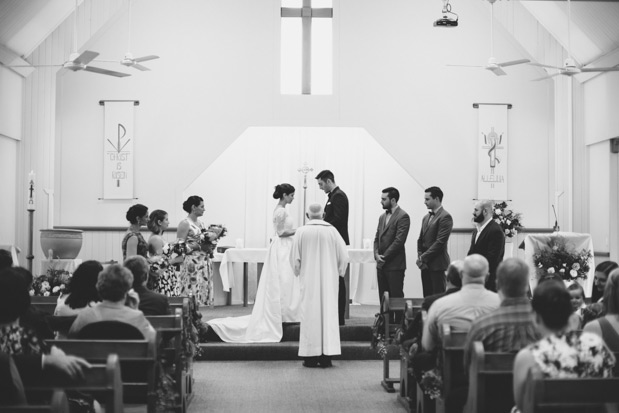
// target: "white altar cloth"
[[575, 241]]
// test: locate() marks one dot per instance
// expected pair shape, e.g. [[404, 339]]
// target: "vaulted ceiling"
[[24, 25]]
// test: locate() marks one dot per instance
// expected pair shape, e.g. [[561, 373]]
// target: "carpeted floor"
[[286, 386]]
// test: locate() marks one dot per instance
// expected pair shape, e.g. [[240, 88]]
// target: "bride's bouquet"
[[210, 237]]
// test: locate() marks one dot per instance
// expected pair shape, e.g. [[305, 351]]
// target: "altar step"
[[288, 350]]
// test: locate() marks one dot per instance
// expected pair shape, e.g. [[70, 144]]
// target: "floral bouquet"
[[432, 383], [507, 219], [53, 282], [557, 259], [210, 236]]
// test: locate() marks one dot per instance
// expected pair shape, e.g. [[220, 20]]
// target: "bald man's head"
[[475, 269], [314, 211]]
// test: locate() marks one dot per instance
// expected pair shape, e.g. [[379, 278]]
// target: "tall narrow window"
[[307, 47]]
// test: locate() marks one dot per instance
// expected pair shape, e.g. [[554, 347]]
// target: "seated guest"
[[560, 353], [151, 303], [510, 328], [607, 326], [33, 318], [6, 260], [34, 360], [82, 290], [602, 270], [461, 308], [113, 285], [578, 305]]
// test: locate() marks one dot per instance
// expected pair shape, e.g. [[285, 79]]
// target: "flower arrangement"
[[557, 259], [507, 219], [210, 236], [432, 383], [170, 255], [52, 283]]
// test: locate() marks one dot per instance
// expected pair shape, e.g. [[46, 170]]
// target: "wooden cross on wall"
[[307, 13]]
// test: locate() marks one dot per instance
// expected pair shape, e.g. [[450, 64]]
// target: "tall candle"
[[30, 203]]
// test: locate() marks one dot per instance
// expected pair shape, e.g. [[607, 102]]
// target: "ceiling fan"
[[492, 65], [80, 61], [570, 67], [128, 60]]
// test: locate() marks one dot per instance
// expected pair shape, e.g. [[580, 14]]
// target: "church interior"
[[227, 99]]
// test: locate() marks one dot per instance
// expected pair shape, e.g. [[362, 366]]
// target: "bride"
[[279, 296]]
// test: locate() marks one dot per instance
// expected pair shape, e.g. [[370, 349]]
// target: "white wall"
[[218, 75]]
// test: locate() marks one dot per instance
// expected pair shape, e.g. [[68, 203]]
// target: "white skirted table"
[[258, 255], [533, 243]]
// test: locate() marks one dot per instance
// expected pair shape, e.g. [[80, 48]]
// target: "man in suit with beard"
[[389, 241], [433, 258], [336, 214], [487, 239]]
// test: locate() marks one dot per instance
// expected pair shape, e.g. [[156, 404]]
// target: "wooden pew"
[[454, 377], [407, 395], [392, 309], [45, 304], [137, 358], [568, 395], [58, 404], [491, 380], [169, 330]]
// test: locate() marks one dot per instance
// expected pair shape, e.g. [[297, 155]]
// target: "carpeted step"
[[291, 333], [351, 350]]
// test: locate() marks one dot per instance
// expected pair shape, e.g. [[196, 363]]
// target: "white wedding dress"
[[278, 298]]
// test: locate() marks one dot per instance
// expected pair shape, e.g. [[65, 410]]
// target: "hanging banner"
[[118, 150], [492, 152]]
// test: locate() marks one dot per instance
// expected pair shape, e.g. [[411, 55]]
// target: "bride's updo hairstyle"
[[192, 201], [283, 189], [136, 211], [153, 220]]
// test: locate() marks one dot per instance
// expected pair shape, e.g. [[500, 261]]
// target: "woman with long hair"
[[162, 277]]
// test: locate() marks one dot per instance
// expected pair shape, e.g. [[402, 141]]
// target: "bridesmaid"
[[196, 272], [133, 243], [162, 278]]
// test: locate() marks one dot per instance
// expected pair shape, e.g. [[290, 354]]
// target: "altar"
[[232, 266], [573, 242]]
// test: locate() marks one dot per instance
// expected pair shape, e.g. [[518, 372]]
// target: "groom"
[[336, 214]]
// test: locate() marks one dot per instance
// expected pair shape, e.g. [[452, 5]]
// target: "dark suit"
[[490, 244], [389, 242], [336, 214], [432, 251], [152, 303]]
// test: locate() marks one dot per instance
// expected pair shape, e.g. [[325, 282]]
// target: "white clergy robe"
[[319, 256]]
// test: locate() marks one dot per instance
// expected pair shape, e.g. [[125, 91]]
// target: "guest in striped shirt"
[[509, 328]]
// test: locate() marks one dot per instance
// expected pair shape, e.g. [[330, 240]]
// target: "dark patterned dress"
[[142, 244]]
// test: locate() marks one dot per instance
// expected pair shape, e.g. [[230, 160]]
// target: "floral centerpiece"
[[558, 259], [507, 219], [210, 237], [52, 283]]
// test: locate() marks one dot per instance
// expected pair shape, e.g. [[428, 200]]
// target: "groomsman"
[[433, 258], [487, 239], [389, 242], [336, 214]]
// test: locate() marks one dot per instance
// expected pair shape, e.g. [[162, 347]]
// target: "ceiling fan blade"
[[545, 77], [496, 70], [140, 67], [541, 65], [146, 58], [85, 57], [105, 71], [600, 69], [466, 65], [513, 62]]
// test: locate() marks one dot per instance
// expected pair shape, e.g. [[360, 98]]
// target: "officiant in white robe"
[[319, 256]]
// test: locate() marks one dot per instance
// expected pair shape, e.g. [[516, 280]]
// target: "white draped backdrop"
[[238, 186]]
